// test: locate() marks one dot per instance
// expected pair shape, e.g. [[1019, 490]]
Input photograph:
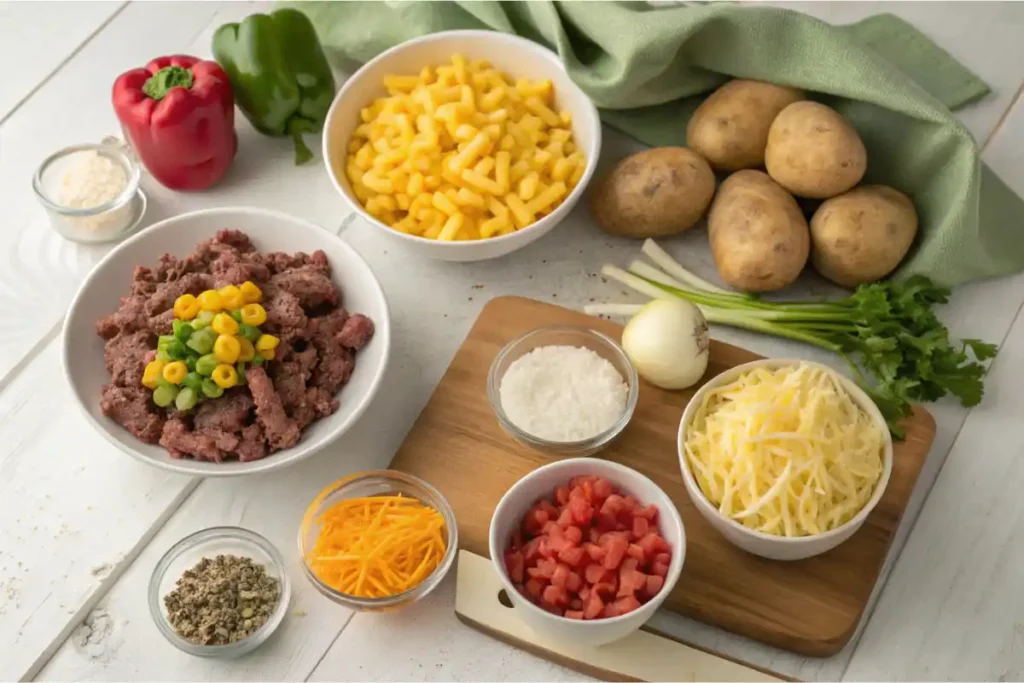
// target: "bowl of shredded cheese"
[[785, 458], [378, 541]]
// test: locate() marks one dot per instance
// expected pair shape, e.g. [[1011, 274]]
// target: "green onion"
[[164, 395], [202, 340], [206, 364], [186, 399], [211, 389]]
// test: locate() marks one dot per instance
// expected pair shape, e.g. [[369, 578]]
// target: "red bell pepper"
[[178, 114]]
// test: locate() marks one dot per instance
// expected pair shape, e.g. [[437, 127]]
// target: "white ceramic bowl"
[[541, 483], [82, 348], [511, 54], [767, 545]]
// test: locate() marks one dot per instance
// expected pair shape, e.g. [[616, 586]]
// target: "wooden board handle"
[[642, 656]]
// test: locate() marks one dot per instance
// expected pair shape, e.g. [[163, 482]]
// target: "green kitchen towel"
[[646, 67]]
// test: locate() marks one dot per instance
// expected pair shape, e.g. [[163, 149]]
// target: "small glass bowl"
[[109, 222], [376, 483], [186, 553], [563, 335]]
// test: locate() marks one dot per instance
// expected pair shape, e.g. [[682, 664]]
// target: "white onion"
[[667, 341]]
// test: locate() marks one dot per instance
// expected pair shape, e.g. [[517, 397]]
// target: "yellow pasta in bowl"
[[491, 143]]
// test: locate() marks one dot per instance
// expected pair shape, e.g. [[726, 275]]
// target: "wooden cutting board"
[[811, 607]]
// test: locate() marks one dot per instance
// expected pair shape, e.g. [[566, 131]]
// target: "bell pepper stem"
[[163, 81], [296, 127]]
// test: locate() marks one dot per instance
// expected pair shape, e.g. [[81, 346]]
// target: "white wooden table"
[[81, 525]]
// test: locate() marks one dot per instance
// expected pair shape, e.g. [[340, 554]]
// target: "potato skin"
[[814, 152], [759, 236], [730, 128], [862, 235], [654, 193]]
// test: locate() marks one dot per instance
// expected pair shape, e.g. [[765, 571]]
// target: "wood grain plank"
[[811, 606]]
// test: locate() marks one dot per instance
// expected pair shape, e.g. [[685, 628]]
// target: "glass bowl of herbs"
[[220, 592]]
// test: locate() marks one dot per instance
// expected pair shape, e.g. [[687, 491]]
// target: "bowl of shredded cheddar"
[[378, 541], [462, 145], [785, 458]]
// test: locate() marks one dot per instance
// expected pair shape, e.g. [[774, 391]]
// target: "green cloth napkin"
[[645, 67]]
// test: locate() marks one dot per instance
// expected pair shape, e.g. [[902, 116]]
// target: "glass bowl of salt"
[[91, 192], [563, 390]]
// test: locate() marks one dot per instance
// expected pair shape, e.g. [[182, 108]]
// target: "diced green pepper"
[[240, 369], [194, 381], [237, 315], [211, 390], [164, 395], [183, 330], [206, 364], [186, 399], [202, 340], [175, 349], [258, 360], [190, 361], [202, 319], [250, 332]]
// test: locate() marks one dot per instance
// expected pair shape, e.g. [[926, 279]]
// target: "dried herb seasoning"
[[222, 600]]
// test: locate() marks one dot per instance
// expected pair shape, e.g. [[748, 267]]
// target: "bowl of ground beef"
[[323, 306]]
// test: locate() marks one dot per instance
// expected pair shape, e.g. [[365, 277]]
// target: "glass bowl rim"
[[211, 534], [134, 177], [416, 592], [596, 441]]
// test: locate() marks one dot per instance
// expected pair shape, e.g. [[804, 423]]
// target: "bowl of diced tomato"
[[587, 549]]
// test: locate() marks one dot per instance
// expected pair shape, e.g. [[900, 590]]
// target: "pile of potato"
[[760, 238]]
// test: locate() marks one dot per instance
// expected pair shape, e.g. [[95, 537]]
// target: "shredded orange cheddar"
[[377, 546]]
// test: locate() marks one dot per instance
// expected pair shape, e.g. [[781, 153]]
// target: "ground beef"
[[131, 408], [315, 359], [280, 430]]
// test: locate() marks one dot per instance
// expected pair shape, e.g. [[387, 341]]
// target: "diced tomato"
[[631, 503], [574, 582], [653, 544], [595, 574], [588, 491], [635, 551], [573, 614], [574, 535], [534, 589], [514, 565], [573, 556], [545, 548], [560, 575], [576, 603], [562, 495], [595, 551], [547, 506], [582, 512], [616, 547], [551, 528], [610, 610], [659, 569], [578, 481], [607, 590], [577, 493], [664, 558], [650, 512], [602, 489], [555, 595], [584, 592], [653, 585], [554, 609], [640, 527], [627, 604], [565, 519], [546, 567], [559, 544], [517, 539]]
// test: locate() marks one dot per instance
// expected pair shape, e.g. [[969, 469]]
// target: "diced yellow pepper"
[[248, 352], [175, 371], [267, 342], [251, 294], [253, 314], [210, 301], [186, 307], [231, 297], [224, 324], [225, 376], [268, 354], [226, 349], [153, 372]]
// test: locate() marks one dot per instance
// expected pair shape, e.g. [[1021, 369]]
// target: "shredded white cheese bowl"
[[785, 458], [563, 389]]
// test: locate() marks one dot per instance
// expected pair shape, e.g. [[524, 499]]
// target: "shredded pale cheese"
[[377, 546], [785, 451], [563, 393]]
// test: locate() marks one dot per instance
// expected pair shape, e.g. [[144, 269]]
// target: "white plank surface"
[[118, 641], [34, 47]]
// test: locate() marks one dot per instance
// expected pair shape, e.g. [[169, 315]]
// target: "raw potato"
[[759, 236], [861, 236], [654, 193], [814, 152], [730, 128]]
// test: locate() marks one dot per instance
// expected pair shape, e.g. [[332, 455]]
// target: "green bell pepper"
[[279, 74]]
